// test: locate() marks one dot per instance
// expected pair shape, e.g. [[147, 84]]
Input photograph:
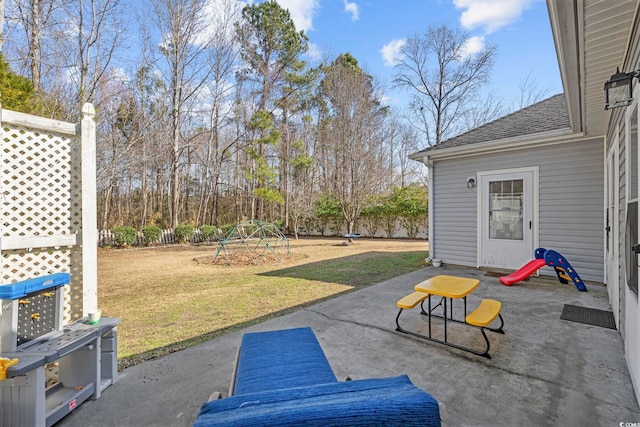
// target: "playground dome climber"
[[255, 239]]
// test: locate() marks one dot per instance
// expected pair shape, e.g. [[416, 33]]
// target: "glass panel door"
[[507, 216]]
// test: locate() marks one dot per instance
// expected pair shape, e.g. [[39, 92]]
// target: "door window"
[[506, 209]]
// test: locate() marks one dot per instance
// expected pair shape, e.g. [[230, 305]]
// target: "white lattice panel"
[[41, 202]]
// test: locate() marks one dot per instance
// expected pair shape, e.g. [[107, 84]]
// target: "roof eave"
[[566, 20], [525, 141]]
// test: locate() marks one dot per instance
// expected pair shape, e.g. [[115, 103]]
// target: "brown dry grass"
[[169, 298]]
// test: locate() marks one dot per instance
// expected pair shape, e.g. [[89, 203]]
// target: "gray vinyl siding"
[[571, 192], [622, 213]]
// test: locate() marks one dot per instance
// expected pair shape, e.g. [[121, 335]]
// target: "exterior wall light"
[[471, 182], [618, 89]]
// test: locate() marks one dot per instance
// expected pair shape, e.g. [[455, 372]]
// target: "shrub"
[[208, 232], [412, 206], [279, 225], [329, 212], [184, 233], [151, 233], [226, 228], [124, 235], [373, 215]]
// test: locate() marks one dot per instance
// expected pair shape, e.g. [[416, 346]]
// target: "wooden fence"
[[107, 238]]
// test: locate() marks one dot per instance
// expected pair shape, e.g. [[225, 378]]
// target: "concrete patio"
[[544, 370]]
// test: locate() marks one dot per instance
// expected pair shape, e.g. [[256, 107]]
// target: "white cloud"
[[314, 52], [301, 11], [200, 110], [217, 18], [472, 46], [72, 75], [385, 100], [352, 8], [490, 14], [120, 75], [391, 52], [220, 16]]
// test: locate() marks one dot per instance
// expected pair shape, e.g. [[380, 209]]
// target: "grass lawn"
[[173, 297]]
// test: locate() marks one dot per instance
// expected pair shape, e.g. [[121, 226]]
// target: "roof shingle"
[[544, 116]]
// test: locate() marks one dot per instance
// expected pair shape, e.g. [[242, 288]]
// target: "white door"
[[507, 217], [611, 233]]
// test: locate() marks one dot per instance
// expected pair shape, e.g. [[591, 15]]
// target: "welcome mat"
[[590, 316]]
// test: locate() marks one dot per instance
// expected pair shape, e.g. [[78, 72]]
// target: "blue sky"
[[519, 28]]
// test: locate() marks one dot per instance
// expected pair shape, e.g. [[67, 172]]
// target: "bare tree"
[[146, 116], [67, 47], [530, 92], [114, 151], [442, 77], [351, 135], [38, 35], [1, 24], [489, 107], [219, 142], [94, 36], [33, 18], [401, 139], [184, 48]]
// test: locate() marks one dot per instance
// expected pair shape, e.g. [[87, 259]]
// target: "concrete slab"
[[543, 371]]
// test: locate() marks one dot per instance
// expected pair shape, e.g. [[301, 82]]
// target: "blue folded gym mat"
[[372, 402], [281, 359], [282, 378]]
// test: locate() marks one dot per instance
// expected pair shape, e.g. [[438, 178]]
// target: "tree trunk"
[[34, 44]]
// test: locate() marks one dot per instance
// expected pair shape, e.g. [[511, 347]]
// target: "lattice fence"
[[47, 204]]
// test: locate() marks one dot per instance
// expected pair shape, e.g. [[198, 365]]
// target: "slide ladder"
[[563, 269]]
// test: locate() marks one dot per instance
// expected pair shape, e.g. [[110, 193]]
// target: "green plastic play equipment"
[[256, 239]]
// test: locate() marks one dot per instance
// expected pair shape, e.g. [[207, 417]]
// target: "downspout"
[[429, 164]]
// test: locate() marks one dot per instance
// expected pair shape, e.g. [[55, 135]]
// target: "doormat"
[[590, 316]]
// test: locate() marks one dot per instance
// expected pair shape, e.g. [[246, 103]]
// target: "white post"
[[89, 214]]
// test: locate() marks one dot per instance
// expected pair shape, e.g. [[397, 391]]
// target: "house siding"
[[622, 213], [571, 190]]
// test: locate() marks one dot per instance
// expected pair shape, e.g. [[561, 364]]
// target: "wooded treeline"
[[217, 115]]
